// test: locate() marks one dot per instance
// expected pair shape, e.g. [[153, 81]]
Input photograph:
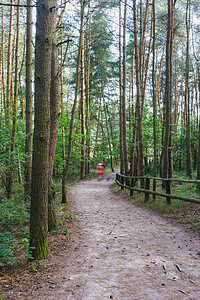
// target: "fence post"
[[154, 189], [122, 182], [128, 181], [168, 191], [198, 185], [147, 186], [142, 182], [132, 185]]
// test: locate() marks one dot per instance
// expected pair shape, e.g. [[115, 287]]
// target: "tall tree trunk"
[[2, 60], [132, 159], [14, 107], [87, 90], [97, 131], [167, 93], [40, 163], [1, 91], [109, 140], [154, 101], [198, 158], [54, 120], [68, 159], [170, 159], [29, 125], [138, 110], [82, 99], [62, 103], [187, 93], [144, 65], [120, 94], [110, 122], [9, 103], [125, 150], [20, 81]]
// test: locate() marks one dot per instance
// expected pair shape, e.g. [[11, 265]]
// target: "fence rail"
[[130, 181]]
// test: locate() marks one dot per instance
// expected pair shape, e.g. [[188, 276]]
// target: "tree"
[[168, 86], [187, 94], [87, 89], [29, 75], [198, 158], [14, 107], [154, 100], [68, 159], [9, 103], [40, 163], [120, 93], [125, 150], [54, 120], [82, 97], [138, 110]]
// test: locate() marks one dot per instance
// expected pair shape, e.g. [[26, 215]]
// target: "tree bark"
[[198, 157], [62, 102], [120, 94], [125, 150], [98, 125], [108, 136], [20, 81], [9, 104], [187, 96], [82, 98], [154, 101], [54, 120], [40, 163], [167, 93], [2, 61], [29, 125], [14, 108], [138, 111], [87, 91]]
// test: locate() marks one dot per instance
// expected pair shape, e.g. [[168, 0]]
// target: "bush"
[[14, 219], [7, 244], [13, 213]]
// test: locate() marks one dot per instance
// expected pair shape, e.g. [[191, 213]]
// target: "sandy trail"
[[125, 252], [121, 251]]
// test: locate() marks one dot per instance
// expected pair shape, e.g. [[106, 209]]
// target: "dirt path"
[[120, 251]]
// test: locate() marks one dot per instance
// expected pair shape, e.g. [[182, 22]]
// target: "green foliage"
[[7, 244], [14, 219], [10, 246], [19, 153], [13, 213]]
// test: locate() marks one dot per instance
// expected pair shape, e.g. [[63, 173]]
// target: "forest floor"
[[113, 250]]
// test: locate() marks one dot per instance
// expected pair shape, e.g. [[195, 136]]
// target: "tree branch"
[[16, 5]]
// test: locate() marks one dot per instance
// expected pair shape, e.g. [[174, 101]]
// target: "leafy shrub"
[[7, 243], [14, 232], [13, 213]]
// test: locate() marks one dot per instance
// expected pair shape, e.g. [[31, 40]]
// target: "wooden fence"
[[129, 182]]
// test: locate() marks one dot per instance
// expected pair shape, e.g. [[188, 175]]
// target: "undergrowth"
[[14, 219], [14, 226]]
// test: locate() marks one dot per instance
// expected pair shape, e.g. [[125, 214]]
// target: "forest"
[[84, 81]]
